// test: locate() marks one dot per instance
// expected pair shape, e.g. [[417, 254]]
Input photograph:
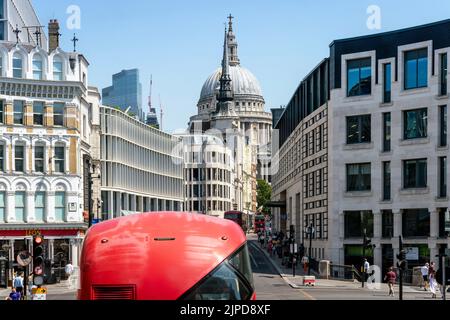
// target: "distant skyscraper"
[[125, 92]]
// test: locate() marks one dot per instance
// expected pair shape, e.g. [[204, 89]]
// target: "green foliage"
[[264, 195]]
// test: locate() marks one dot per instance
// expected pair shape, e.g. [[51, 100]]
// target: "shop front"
[[61, 246]]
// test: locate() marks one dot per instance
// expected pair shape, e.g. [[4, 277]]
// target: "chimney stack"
[[53, 34]]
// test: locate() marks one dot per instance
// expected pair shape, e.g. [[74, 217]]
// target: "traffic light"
[[38, 260], [402, 263]]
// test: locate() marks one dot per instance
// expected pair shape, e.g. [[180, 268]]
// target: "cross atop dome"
[[230, 23]]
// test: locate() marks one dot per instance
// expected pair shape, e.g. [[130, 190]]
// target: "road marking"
[[307, 295], [254, 260]]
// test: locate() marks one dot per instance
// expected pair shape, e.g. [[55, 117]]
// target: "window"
[[415, 124], [20, 206], [2, 207], [2, 158], [57, 69], [359, 177], [359, 77], [2, 112], [38, 113], [442, 177], [58, 114], [387, 219], [60, 206], [39, 204], [416, 69], [387, 85], [19, 158], [37, 67], [17, 66], [39, 158], [443, 74], [19, 112], [356, 222], [443, 126], [387, 125], [416, 223], [415, 174], [60, 159], [386, 181], [358, 129]]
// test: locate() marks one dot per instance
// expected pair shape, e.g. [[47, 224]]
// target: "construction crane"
[[162, 113]]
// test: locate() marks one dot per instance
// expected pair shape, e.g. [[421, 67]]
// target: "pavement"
[[335, 289], [59, 291]]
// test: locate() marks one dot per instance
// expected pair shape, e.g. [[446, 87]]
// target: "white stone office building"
[[387, 147], [141, 170], [208, 174]]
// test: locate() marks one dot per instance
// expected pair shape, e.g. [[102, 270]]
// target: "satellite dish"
[[24, 258]]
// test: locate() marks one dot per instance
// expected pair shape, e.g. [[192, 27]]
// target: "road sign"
[[24, 258], [39, 294]]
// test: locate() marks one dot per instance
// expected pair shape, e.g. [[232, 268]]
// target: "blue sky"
[[180, 41]]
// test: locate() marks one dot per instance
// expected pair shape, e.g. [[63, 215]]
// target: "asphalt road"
[[270, 285]]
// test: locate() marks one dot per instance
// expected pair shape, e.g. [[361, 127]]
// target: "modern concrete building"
[[381, 104], [140, 168], [125, 93], [44, 149]]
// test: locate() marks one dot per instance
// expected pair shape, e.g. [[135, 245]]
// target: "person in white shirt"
[[366, 269], [69, 269], [424, 270]]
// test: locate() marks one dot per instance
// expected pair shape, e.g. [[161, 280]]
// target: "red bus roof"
[[162, 254]]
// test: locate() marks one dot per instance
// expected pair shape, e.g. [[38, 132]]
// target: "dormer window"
[[17, 66], [37, 67], [57, 69]]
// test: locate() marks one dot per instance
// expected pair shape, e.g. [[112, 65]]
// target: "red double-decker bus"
[[260, 223], [166, 256]]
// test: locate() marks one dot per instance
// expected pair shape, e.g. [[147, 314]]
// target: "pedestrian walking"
[[305, 262], [391, 278], [432, 279], [18, 283], [424, 270], [69, 269], [366, 269]]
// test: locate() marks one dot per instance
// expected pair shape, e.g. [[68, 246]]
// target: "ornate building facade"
[[44, 148]]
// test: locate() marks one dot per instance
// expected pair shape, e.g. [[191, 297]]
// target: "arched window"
[[57, 69], [37, 67], [17, 65]]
